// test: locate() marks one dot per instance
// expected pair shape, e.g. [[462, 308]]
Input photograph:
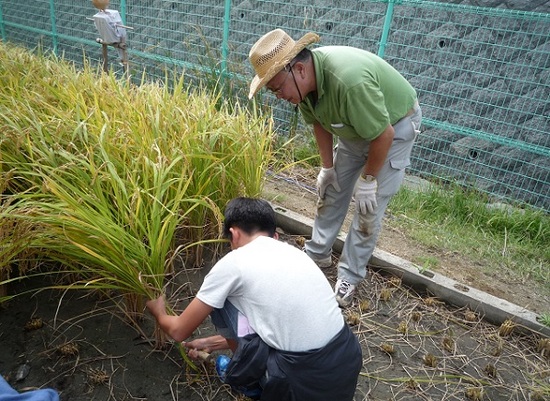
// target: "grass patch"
[[464, 221], [544, 318], [426, 263]]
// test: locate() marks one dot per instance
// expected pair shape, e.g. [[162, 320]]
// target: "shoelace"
[[344, 287]]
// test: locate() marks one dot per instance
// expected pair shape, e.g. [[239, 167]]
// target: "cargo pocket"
[[393, 177]]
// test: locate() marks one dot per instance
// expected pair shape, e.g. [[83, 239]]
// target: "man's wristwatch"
[[368, 177]]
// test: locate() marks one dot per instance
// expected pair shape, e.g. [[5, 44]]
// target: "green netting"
[[482, 73]]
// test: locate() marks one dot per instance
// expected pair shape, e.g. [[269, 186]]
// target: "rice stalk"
[[117, 179]]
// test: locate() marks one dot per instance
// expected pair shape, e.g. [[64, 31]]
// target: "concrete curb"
[[492, 309]]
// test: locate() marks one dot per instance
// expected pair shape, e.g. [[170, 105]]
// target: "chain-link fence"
[[482, 73]]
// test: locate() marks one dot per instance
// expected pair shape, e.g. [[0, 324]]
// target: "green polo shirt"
[[358, 93]]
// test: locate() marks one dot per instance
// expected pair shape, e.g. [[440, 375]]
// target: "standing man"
[[372, 110], [288, 345]]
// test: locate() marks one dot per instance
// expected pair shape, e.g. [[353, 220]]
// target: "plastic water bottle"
[[222, 361], [221, 366]]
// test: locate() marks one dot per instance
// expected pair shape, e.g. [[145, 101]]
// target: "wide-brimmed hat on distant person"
[[272, 52]]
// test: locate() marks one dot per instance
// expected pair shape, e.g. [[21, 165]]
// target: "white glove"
[[326, 177], [365, 195]]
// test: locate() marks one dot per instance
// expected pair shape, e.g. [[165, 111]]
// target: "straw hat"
[[272, 52]]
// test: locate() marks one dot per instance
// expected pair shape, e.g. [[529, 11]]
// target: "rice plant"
[[111, 181]]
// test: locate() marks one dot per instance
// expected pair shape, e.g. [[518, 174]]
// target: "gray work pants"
[[349, 160]]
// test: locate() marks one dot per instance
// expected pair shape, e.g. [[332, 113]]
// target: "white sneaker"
[[343, 290]]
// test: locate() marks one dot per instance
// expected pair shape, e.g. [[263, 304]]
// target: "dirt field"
[[296, 195], [414, 347]]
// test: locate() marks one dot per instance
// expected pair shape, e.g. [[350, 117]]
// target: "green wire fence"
[[482, 73]]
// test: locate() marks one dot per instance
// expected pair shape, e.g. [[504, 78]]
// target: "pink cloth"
[[243, 328]]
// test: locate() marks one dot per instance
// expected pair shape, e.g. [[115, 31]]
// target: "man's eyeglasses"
[[278, 91]]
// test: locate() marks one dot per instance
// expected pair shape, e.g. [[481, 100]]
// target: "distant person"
[[374, 113], [275, 310]]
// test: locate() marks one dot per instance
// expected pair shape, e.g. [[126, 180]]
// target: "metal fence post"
[[386, 28], [225, 41], [54, 28], [123, 11], [2, 30]]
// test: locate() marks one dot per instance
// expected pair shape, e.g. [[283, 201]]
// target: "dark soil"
[[86, 349], [414, 347]]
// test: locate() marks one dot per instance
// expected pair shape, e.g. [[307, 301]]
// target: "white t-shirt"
[[286, 298]]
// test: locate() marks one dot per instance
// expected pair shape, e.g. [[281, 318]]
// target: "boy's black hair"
[[250, 215]]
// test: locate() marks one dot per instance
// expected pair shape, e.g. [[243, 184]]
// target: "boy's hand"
[[157, 307]]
